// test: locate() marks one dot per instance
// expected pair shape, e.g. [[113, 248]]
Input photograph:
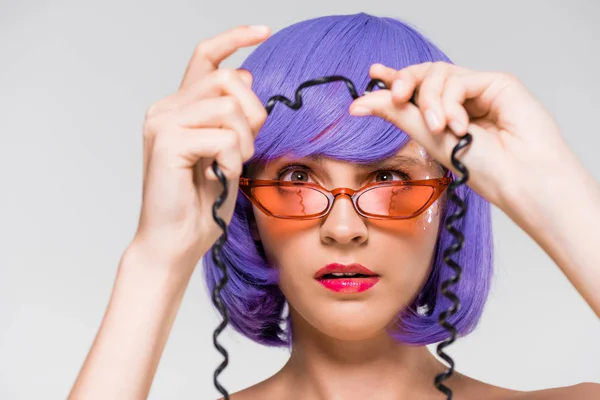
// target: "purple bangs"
[[344, 45]]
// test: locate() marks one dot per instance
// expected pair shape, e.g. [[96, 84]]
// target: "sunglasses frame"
[[439, 186]]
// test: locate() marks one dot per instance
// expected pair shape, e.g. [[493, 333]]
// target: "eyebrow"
[[398, 159]]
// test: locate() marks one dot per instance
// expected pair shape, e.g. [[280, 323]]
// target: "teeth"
[[343, 273]]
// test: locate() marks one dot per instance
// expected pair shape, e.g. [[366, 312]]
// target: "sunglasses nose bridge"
[[347, 191], [342, 191]]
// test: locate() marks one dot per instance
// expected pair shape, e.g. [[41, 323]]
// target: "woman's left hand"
[[517, 160], [517, 145]]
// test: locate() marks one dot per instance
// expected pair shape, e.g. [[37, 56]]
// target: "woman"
[[346, 332]]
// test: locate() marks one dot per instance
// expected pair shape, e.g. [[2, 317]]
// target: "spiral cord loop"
[[216, 294], [217, 247], [442, 319]]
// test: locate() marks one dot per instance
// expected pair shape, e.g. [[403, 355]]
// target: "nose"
[[343, 224]]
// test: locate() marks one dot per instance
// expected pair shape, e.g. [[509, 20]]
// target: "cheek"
[[410, 244], [273, 230], [429, 220], [283, 239], [414, 229]]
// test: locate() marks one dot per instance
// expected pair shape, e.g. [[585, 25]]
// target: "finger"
[[410, 77], [209, 113], [430, 93], [246, 76], [453, 98], [422, 84], [211, 52], [389, 74], [419, 71], [222, 82], [406, 116], [177, 99], [479, 91], [408, 81], [409, 119], [184, 147], [220, 112], [230, 162]]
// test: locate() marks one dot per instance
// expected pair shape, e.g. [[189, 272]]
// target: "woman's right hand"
[[213, 115]]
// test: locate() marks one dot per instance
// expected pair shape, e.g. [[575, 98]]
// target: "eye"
[[387, 173], [298, 173]]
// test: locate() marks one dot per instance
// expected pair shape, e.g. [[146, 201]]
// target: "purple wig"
[[344, 45]]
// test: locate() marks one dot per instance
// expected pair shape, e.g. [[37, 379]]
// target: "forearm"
[[125, 354], [564, 219]]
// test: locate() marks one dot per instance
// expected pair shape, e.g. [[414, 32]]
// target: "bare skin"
[[463, 387]]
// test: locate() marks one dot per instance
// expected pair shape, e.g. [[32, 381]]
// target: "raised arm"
[[564, 219], [213, 116], [125, 354]]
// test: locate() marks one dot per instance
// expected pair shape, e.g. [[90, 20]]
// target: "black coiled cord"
[[464, 141], [216, 295]]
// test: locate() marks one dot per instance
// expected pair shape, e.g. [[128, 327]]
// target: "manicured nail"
[[457, 127], [432, 120], [360, 111]]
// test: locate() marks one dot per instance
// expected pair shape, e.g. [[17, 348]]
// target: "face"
[[399, 251]]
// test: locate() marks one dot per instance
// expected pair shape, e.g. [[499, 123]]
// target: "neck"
[[324, 367]]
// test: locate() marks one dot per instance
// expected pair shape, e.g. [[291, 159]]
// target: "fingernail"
[[260, 28], [360, 111], [398, 86], [432, 120], [457, 127], [378, 66]]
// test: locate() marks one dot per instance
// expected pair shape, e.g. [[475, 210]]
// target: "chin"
[[351, 321], [351, 331]]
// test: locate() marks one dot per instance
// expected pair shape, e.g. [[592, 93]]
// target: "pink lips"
[[347, 284]]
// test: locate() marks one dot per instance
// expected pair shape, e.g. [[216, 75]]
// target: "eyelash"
[[287, 168]]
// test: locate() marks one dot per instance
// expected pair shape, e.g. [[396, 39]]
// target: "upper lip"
[[336, 267]]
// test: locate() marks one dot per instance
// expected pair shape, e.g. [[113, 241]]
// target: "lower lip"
[[349, 285]]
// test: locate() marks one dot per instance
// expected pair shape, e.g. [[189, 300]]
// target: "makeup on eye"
[[304, 168]]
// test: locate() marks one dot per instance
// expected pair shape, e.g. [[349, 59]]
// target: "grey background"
[[76, 78]]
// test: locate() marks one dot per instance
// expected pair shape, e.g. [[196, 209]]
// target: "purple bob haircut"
[[344, 45]]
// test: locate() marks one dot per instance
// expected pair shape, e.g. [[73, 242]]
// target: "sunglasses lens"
[[394, 201], [292, 201], [384, 201]]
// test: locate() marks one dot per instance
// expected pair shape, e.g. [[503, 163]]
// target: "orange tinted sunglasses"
[[378, 200]]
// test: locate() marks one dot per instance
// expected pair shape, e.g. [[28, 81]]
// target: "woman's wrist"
[[564, 219], [146, 258], [547, 203], [145, 299]]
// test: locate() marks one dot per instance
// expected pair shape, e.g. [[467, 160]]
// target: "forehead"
[[412, 156]]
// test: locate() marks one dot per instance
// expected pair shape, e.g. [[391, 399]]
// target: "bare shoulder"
[[580, 391], [250, 393], [469, 388], [268, 389], [463, 386]]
